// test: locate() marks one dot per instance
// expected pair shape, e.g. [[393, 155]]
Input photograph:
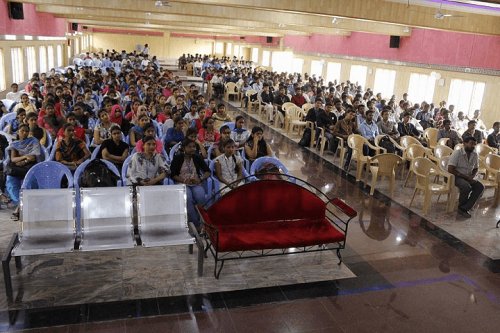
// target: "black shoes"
[[464, 212]]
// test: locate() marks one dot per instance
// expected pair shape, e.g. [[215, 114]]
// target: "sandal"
[[15, 216], [4, 199]]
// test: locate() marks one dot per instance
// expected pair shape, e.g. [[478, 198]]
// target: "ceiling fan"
[[439, 15], [160, 3]]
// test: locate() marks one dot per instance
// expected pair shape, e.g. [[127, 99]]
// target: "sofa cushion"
[[266, 200], [276, 235]]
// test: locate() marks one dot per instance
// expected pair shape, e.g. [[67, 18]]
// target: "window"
[[2, 72], [333, 71], [384, 82], [43, 59], [219, 48], [467, 96], [31, 59], [421, 88], [236, 51], [317, 68], [50, 51], [16, 54], [229, 49], [282, 61], [68, 51], [255, 55], [59, 55], [265, 58], [358, 75], [297, 65]]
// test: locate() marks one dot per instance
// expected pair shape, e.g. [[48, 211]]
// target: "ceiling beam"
[[242, 17]]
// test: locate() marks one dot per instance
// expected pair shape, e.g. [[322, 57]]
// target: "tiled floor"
[[413, 274]]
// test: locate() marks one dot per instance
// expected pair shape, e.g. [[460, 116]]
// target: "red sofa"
[[266, 215]]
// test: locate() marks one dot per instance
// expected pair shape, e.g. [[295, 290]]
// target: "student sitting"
[[150, 130], [79, 131], [229, 166], [36, 131], [137, 132], [71, 151], [256, 146], [114, 149], [208, 134], [175, 134], [239, 134], [189, 168], [25, 153], [14, 124], [147, 168]]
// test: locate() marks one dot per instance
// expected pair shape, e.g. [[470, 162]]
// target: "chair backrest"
[[458, 146], [229, 124], [307, 106], [47, 175], [286, 106], [161, 224], [6, 118], [482, 150], [96, 152], [431, 134], [250, 92], [356, 142], [261, 161], [442, 151], [414, 150], [422, 168], [407, 140], [231, 87], [158, 128], [492, 161], [106, 218], [443, 141], [295, 113], [443, 163], [251, 203], [386, 162], [125, 168], [47, 221], [174, 150], [48, 142], [52, 156]]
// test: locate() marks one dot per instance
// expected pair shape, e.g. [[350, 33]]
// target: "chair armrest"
[[378, 149]]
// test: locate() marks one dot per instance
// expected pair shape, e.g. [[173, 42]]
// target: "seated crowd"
[[139, 110], [344, 108]]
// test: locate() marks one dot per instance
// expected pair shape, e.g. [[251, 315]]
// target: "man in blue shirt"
[[369, 130]]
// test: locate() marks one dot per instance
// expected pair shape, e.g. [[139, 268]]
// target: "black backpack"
[[97, 174]]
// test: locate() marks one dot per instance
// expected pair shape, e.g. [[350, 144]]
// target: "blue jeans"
[[13, 186], [195, 196]]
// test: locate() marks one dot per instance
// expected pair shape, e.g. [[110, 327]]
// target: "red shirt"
[[298, 100]]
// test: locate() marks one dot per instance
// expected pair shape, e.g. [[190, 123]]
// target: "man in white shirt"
[[197, 67], [15, 94]]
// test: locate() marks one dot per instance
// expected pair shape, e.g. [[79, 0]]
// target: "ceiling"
[[280, 17]]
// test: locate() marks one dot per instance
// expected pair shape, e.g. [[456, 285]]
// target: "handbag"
[[17, 171]]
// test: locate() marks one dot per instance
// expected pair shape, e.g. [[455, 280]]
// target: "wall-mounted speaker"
[[269, 40], [15, 10], [242, 37], [74, 26], [394, 42]]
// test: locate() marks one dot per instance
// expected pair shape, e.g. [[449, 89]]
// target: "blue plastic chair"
[[258, 163], [230, 124], [46, 175], [174, 150], [53, 150], [158, 128], [48, 142], [95, 152], [45, 152], [4, 121]]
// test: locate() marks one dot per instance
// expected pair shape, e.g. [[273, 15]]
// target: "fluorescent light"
[[26, 37]]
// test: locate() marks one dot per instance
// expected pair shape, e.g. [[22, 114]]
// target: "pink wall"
[[423, 46], [34, 24]]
